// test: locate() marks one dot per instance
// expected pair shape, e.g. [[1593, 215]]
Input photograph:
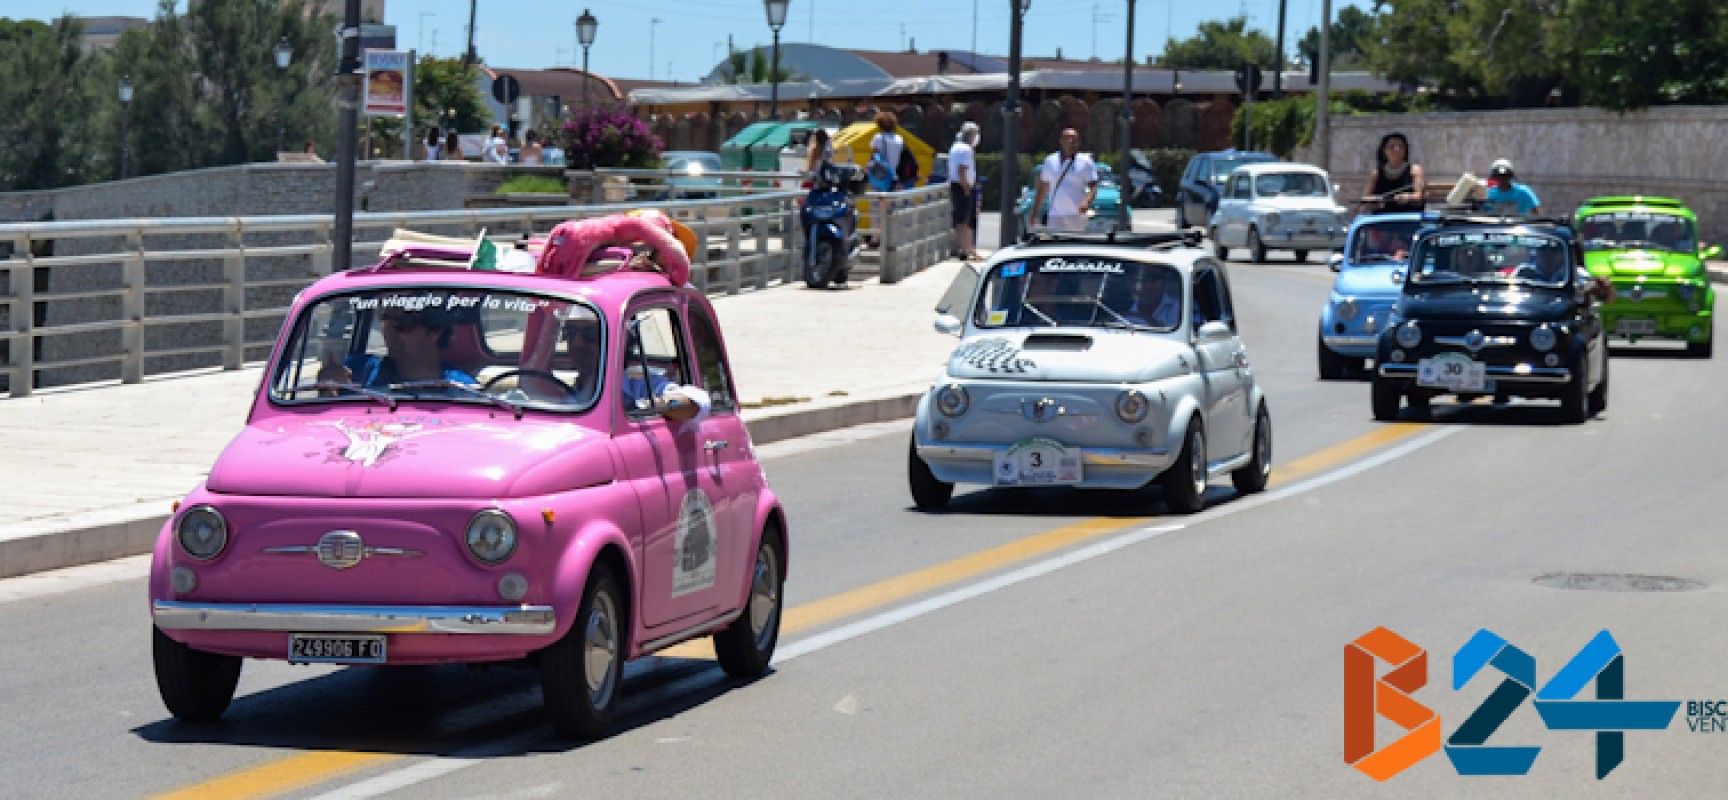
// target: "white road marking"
[[439, 767]]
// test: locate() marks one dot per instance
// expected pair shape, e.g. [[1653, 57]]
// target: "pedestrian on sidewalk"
[[497, 147], [963, 167], [452, 147], [434, 142], [1069, 180], [888, 145]]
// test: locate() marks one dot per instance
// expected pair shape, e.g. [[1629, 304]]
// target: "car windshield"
[[1222, 167], [456, 345], [1080, 291], [1382, 242], [1491, 257], [1636, 230], [1290, 184]]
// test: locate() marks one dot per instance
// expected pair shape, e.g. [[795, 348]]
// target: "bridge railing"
[[98, 300]]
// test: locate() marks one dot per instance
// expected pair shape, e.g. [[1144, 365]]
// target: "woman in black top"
[[1397, 184]]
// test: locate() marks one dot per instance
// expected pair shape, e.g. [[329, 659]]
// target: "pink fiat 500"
[[449, 464]]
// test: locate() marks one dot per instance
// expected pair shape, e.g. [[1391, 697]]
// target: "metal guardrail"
[[752, 243]]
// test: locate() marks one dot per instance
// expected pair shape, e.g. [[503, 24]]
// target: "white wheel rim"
[[1197, 462], [600, 649], [764, 596]]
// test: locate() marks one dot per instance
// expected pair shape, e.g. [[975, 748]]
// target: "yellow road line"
[[299, 771], [282, 775]]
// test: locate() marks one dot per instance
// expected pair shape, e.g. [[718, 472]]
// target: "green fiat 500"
[[1648, 247]]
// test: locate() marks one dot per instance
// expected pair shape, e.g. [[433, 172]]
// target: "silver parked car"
[[1278, 206], [1087, 361]]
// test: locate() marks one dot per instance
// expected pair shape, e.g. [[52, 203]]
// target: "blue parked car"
[[1370, 277]]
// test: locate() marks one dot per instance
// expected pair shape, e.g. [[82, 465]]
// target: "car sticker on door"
[[695, 545]]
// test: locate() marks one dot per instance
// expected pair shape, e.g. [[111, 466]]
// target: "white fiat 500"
[[1086, 361], [1277, 206]]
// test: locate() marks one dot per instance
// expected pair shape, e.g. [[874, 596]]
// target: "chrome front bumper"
[[1336, 341], [517, 620], [1507, 374], [1091, 457]]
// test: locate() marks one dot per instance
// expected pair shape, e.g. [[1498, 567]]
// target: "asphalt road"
[[1032, 643]]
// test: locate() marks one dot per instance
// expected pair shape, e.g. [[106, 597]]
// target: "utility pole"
[[1278, 66], [1011, 131], [469, 57], [1322, 116], [1127, 135], [348, 107]]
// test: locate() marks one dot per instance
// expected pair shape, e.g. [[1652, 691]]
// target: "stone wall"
[[1566, 155]]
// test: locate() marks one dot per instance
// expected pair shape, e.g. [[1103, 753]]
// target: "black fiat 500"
[[1494, 307]]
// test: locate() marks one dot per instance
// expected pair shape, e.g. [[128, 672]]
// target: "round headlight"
[[1542, 338], [1684, 291], [1346, 310], [202, 532], [1409, 335], [491, 536], [1131, 406], [952, 400]]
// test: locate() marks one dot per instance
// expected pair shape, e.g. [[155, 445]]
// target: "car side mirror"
[[948, 324], [1336, 262], [1214, 331], [1710, 251]]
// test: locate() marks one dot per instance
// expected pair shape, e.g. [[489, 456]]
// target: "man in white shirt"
[[1070, 181], [963, 178]]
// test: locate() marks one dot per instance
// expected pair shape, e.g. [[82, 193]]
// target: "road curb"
[[104, 536]]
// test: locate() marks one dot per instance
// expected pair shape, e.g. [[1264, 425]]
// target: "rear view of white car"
[[1092, 362]]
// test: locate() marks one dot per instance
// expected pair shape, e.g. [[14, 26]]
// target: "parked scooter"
[[830, 226]]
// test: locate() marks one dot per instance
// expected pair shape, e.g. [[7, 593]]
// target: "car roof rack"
[[1184, 238], [1633, 200]]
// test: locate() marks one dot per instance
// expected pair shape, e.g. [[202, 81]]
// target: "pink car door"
[[683, 543], [727, 456]]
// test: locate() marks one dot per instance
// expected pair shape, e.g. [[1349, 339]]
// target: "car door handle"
[[715, 445]]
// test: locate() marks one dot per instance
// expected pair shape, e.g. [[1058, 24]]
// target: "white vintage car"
[[1278, 206], [1095, 363]]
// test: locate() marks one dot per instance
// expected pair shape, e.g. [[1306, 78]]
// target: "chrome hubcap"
[[600, 649], [1263, 444], [764, 596]]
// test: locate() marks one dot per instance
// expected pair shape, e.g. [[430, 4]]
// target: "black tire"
[[1575, 403], [928, 493], [1421, 404], [1251, 479], [1218, 249], [582, 705], [1331, 364], [1599, 395], [195, 686], [1301, 256], [1386, 399], [1184, 482], [818, 267], [1256, 248], [747, 645], [837, 264], [1701, 349]]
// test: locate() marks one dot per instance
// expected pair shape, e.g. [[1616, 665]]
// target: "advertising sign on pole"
[[386, 83]]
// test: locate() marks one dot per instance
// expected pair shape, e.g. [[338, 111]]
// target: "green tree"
[[1640, 53], [446, 95], [751, 66], [1353, 28], [1221, 45], [45, 87]]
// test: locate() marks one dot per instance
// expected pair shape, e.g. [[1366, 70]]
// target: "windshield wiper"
[[470, 389], [344, 386], [1120, 320], [1041, 315]]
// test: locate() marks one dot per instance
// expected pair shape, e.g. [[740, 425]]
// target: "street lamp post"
[[776, 18], [284, 56], [586, 26], [1126, 184], [125, 122], [1011, 126]]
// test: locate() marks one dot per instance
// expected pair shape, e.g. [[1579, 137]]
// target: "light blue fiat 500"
[[1370, 274]]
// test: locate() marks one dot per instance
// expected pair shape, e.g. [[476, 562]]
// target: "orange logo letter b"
[[1367, 697]]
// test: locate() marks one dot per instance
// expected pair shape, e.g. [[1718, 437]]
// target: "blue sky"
[[690, 36]]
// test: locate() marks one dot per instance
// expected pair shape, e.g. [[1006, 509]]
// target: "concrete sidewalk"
[[89, 473]]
